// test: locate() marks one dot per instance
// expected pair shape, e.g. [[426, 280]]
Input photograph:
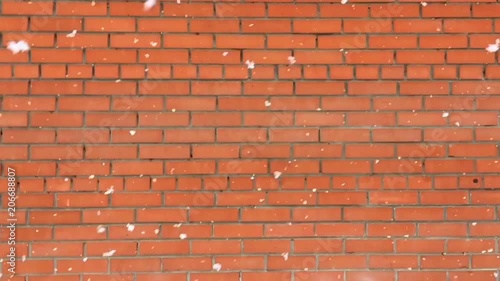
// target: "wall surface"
[[358, 143]]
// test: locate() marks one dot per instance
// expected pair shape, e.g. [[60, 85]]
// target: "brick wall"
[[252, 141]]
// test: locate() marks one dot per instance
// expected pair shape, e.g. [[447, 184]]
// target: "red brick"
[[468, 25], [368, 88], [371, 119], [313, 26], [443, 42], [109, 24], [189, 10], [206, 25], [447, 11], [315, 57], [418, 25], [469, 57], [135, 40], [394, 42], [358, 214], [14, 24], [437, 262], [370, 57], [286, 10], [348, 11]]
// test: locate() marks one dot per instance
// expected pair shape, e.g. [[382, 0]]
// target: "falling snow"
[[130, 227], [101, 229], [217, 267], [110, 190], [17, 47], [250, 64], [493, 47], [109, 254], [22, 46], [149, 4], [72, 34]]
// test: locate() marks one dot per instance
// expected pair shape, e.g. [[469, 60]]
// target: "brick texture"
[[362, 146]]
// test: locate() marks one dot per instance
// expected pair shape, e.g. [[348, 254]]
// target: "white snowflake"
[[149, 4], [109, 191], [183, 236], [132, 132], [267, 103], [72, 34], [285, 256], [109, 254], [343, 2], [101, 229], [130, 227], [446, 114], [292, 60], [493, 47], [217, 267], [16, 47], [250, 64], [277, 175]]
